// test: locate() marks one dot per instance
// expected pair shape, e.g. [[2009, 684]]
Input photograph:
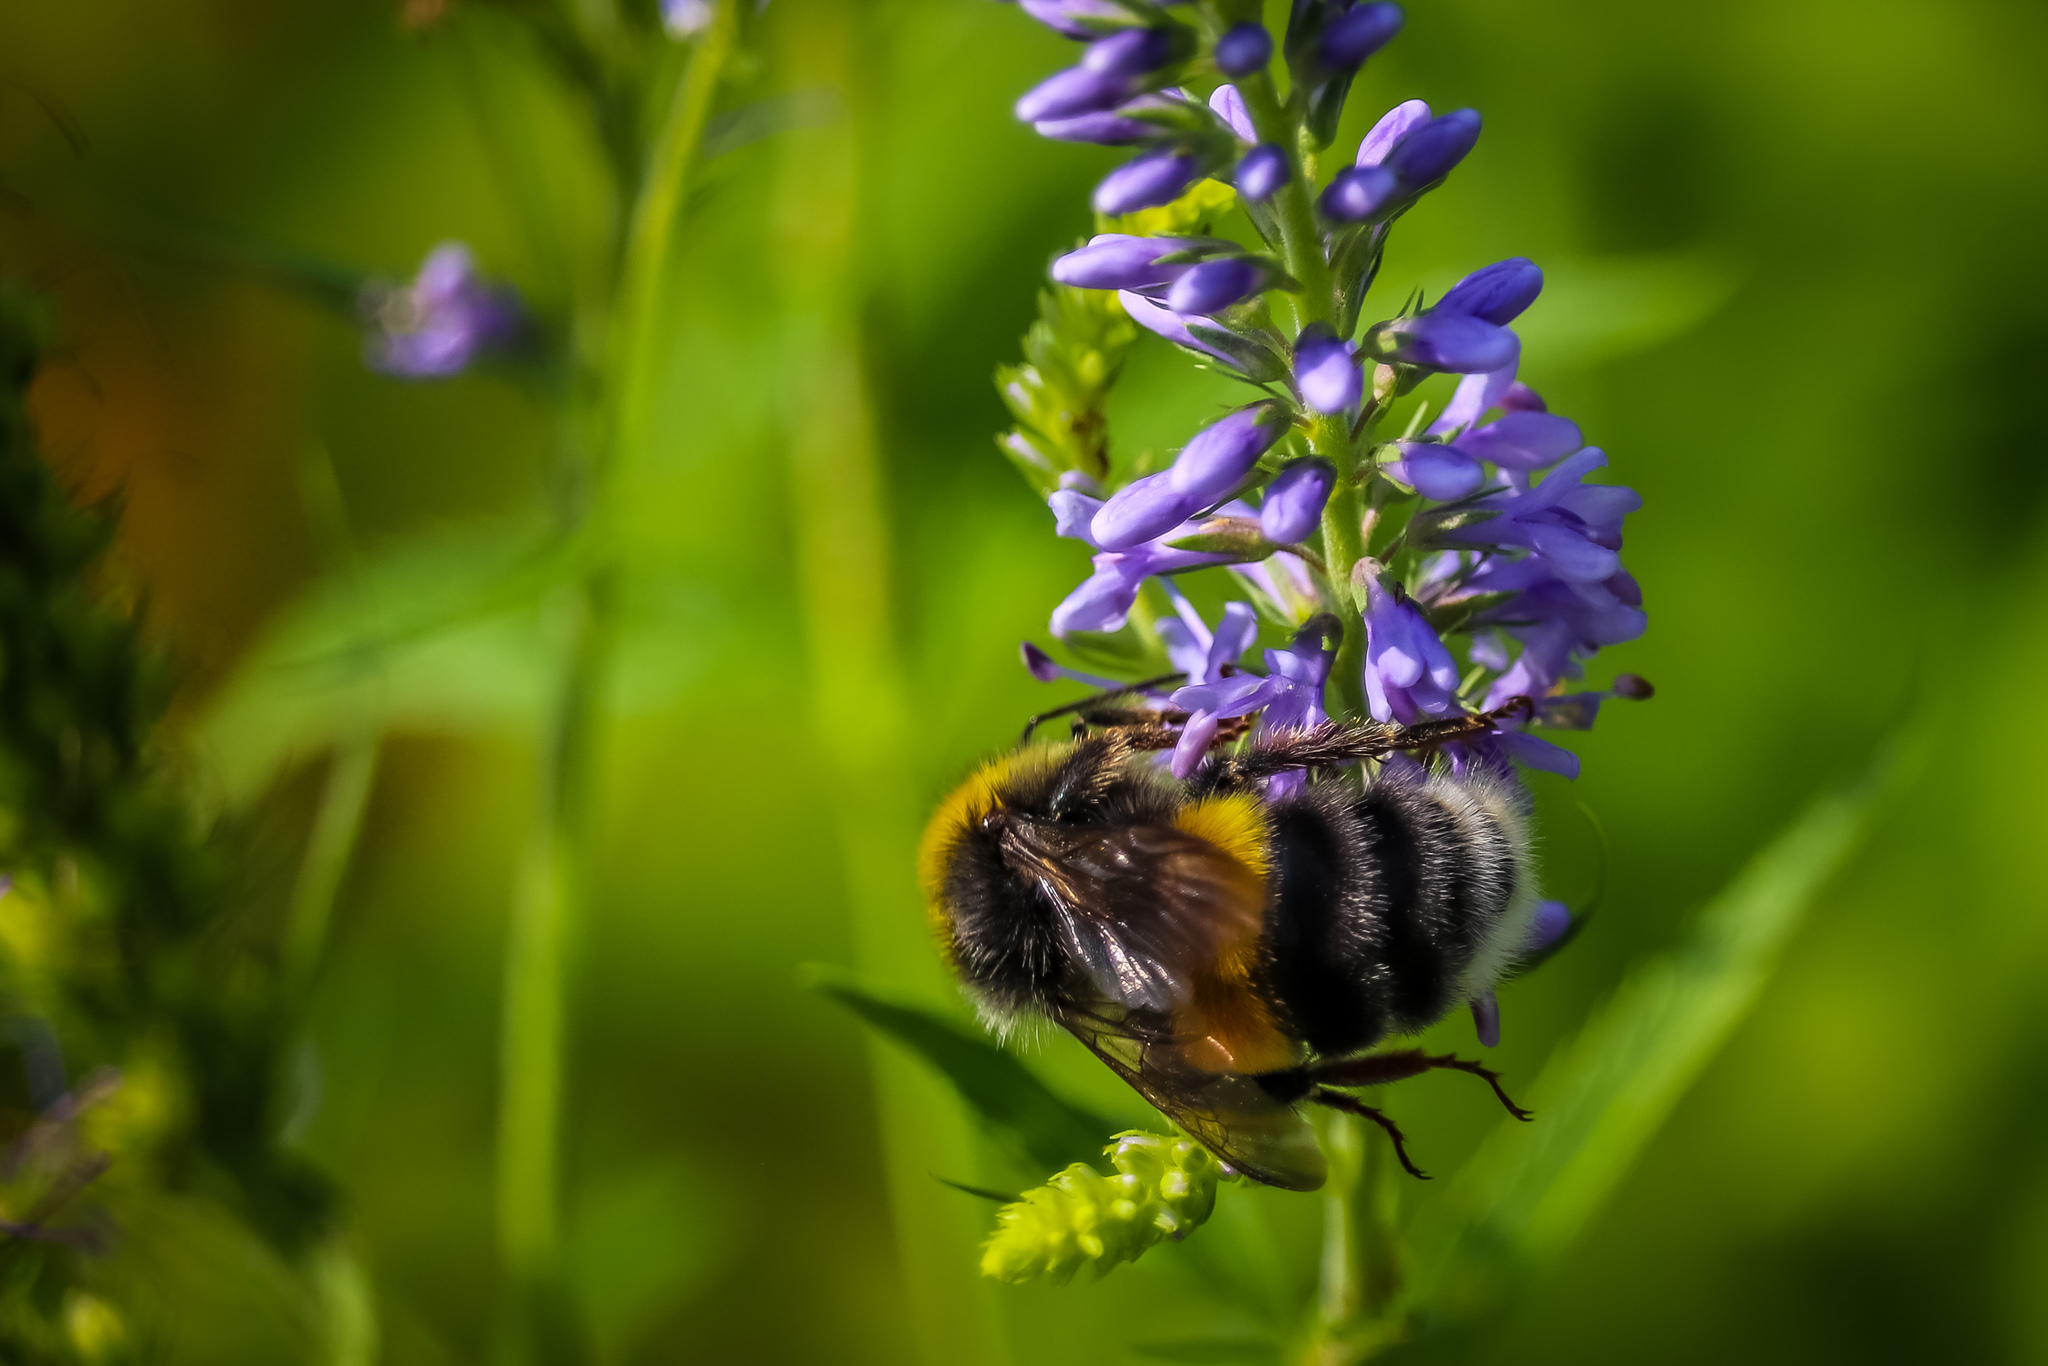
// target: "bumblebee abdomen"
[[1391, 908]]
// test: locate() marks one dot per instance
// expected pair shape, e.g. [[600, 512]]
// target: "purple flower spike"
[[443, 321], [1486, 1019], [1262, 172], [1553, 919], [1140, 511], [1408, 672], [1440, 472], [1214, 285], [1357, 193], [1228, 105], [1223, 453], [1146, 182], [1427, 154], [1116, 260], [1497, 294], [1243, 49], [1326, 372], [1133, 52], [1456, 342], [1357, 33], [1395, 124], [1523, 441], [1072, 17], [1293, 505]]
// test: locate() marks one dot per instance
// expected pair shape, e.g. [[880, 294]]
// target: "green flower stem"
[[860, 707], [553, 883], [1301, 244], [1340, 1287], [336, 824]]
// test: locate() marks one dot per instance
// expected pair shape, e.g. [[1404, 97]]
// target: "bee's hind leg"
[[1375, 1068], [1350, 1105], [1096, 711]]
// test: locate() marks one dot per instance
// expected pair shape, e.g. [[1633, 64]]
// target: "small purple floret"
[[1228, 105], [438, 325], [1223, 453], [1293, 505], [1071, 16], [1440, 472], [1140, 511], [1133, 52], [1075, 91], [1117, 260], [1357, 33], [1146, 182], [1357, 193], [1243, 49], [1497, 294], [1214, 285], [1326, 372], [1395, 124], [1427, 154], [1263, 171], [1456, 342]]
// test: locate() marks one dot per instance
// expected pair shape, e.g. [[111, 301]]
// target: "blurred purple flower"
[[441, 322], [1325, 371], [1147, 181], [1262, 172], [1116, 260], [1243, 49], [1357, 33], [1395, 124], [1293, 503], [1228, 105]]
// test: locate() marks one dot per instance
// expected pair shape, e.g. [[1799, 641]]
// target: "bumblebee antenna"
[[1087, 703]]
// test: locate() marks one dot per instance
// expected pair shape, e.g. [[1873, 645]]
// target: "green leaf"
[[1531, 1189], [1046, 1130]]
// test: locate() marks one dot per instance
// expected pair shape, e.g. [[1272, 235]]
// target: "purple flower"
[[1573, 528], [1522, 441], [1228, 105], [1408, 672], [1497, 294], [1115, 260], [1216, 284], [1243, 49], [1103, 601], [1553, 919], [1141, 510], [1444, 473], [1325, 371], [1203, 655], [1357, 33], [1290, 697], [441, 322], [1263, 171], [1158, 318], [1394, 125], [1146, 182], [1132, 52], [1358, 193], [1293, 504], [1077, 90], [1486, 1019], [1108, 129], [1457, 342], [1427, 154], [1077, 18], [1223, 453]]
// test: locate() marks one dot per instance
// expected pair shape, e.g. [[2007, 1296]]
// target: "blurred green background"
[[1796, 291]]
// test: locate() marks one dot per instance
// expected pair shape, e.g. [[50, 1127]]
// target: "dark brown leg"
[[1337, 744], [1377, 1068], [1337, 1100], [1087, 704]]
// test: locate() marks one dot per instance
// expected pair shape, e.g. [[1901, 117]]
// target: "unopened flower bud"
[[1215, 285], [1077, 90], [1395, 124], [1427, 155], [1523, 441], [1262, 172], [1243, 49], [1498, 293], [1440, 472], [1116, 260], [1326, 372], [1357, 33], [1227, 104], [1223, 453], [1077, 18], [1142, 510], [1634, 687], [1133, 52], [1293, 504], [1456, 342], [1146, 182], [1357, 193]]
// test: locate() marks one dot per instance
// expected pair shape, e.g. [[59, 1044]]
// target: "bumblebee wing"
[[1145, 909], [1226, 1112]]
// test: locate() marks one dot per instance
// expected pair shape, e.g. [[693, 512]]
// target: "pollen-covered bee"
[[1231, 955]]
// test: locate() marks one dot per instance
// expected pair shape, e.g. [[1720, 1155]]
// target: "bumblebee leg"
[[1334, 744], [1088, 704], [1376, 1068], [1337, 1100]]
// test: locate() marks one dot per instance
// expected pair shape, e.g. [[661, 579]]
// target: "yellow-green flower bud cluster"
[[1163, 1188]]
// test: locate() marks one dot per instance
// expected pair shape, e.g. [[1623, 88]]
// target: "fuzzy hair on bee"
[[1231, 954]]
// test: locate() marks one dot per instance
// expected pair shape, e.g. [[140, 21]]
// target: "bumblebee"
[[1230, 955]]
